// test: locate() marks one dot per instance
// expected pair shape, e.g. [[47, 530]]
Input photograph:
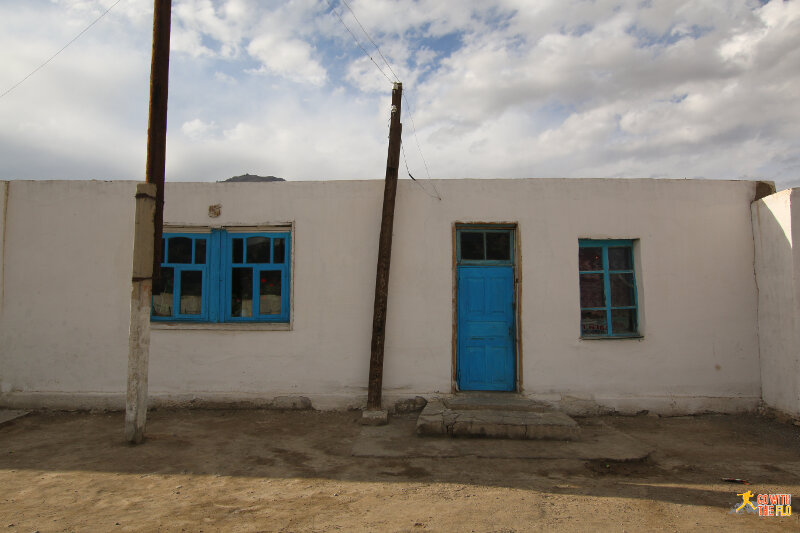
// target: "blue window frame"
[[607, 288], [182, 293], [224, 276]]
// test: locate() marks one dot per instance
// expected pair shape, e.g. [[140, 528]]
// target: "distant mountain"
[[253, 177]]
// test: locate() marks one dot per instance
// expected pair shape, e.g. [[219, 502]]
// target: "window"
[[485, 246], [224, 276], [608, 288]]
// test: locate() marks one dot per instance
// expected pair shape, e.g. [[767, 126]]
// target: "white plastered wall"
[[66, 292], [695, 273], [775, 220]]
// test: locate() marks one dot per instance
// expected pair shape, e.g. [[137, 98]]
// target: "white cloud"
[[499, 88], [225, 78], [289, 58], [225, 24], [197, 129]]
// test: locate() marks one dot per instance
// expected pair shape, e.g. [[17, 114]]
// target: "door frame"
[[517, 295]]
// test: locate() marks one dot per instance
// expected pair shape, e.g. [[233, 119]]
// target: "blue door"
[[485, 330]]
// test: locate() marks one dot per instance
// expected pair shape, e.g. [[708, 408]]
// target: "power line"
[[408, 105], [359, 43], [397, 79], [419, 148], [37, 69], [378, 48], [405, 160]]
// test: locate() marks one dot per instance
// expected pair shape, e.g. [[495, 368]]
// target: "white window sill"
[[243, 326]]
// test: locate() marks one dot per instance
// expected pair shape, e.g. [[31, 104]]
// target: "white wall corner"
[[776, 220], [3, 219]]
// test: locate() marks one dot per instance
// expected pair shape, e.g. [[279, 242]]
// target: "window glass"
[[498, 245], [593, 323], [593, 291], [162, 292], [270, 292], [619, 258], [237, 255], [590, 259], [622, 290], [200, 251], [472, 245], [191, 292], [179, 250], [623, 321], [242, 292], [279, 251], [258, 250]]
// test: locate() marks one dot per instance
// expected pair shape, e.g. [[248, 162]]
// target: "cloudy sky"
[[496, 88]]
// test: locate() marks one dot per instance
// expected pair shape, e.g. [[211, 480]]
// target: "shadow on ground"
[[687, 453]]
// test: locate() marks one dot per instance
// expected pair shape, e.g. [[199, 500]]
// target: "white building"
[[674, 296]]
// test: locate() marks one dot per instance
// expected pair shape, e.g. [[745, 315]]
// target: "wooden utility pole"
[[157, 123], [147, 228], [384, 255]]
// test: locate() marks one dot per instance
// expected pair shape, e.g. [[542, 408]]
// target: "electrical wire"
[[37, 69], [419, 148], [359, 42], [378, 48], [405, 160], [397, 79]]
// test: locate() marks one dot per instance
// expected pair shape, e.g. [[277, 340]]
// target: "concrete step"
[[495, 416], [502, 401]]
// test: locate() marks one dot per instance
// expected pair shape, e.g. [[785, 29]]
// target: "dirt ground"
[[294, 471]]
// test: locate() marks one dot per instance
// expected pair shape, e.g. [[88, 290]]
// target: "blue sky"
[[498, 88]]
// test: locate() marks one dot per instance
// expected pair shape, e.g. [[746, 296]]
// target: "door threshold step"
[[483, 416], [503, 401]]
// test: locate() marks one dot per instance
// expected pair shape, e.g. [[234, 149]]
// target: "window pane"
[[621, 290], [162, 293], [623, 321], [191, 292], [238, 251], [590, 258], [200, 251], [242, 291], [619, 258], [279, 254], [179, 250], [593, 292], [257, 250], [472, 245], [270, 292], [593, 323], [498, 246]]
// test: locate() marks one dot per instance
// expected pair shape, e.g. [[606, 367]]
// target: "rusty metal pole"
[[148, 224], [384, 255]]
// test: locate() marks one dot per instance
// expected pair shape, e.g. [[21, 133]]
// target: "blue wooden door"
[[485, 329]]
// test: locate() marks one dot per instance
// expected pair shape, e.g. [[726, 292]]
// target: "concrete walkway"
[[599, 441], [9, 415]]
